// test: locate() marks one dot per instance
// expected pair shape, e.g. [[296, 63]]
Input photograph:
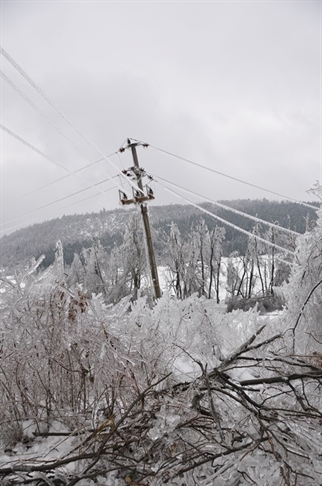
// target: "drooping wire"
[[237, 228], [61, 199], [54, 211], [24, 142], [57, 128], [233, 210], [41, 113], [53, 105], [232, 178], [59, 165], [50, 159]]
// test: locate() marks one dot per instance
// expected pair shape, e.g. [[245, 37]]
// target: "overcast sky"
[[231, 85]]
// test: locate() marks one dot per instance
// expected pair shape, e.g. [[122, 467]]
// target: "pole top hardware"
[[137, 197], [133, 143], [140, 197], [134, 173]]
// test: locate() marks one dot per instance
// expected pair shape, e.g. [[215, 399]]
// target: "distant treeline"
[[82, 231]]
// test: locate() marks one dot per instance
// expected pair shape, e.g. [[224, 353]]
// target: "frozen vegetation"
[[100, 388]]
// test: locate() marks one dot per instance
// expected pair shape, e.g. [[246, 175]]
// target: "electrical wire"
[[41, 113], [60, 132], [232, 178], [14, 135], [233, 210], [57, 164], [50, 159], [24, 142], [61, 199], [237, 228], [54, 211], [43, 94], [53, 105], [57, 128]]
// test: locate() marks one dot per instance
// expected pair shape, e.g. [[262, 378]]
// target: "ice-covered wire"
[[59, 131], [17, 226], [50, 159], [57, 164], [42, 154], [237, 228], [29, 145], [53, 105], [41, 113], [233, 210], [61, 199], [232, 178]]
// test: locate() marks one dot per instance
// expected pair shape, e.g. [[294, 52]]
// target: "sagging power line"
[[32, 220], [232, 177], [50, 159], [62, 199], [54, 106], [228, 208], [228, 223]]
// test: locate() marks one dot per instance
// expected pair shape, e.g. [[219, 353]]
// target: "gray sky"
[[231, 85]]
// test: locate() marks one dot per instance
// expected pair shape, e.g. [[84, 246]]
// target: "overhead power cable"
[[17, 226], [232, 178], [237, 228], [53, 162], [50, 159], [233, 210], [42, 154], [41, 113], [56, 128], [61, 199], [53, 105], [24, 142]]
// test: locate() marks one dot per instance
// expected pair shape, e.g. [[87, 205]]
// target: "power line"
[[259, 238], [50, 159], [55, 210], [25, 97], [57, 180], [61, 199], [42, 154], [233, 210], [232, 178], [41, 113], [53, 162], [53, 105], [24, 142]]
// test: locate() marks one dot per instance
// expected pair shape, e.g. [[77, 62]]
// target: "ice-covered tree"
[[176, 260], [304, 291], [175, 393]]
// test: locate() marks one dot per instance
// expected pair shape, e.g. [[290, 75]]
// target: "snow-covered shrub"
[[174, 393], [304, 293], [60, 359]]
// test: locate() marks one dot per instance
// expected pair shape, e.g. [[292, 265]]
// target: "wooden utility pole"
[[146, 223]]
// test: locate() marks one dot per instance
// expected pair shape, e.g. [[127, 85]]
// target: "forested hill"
[[82, 230]]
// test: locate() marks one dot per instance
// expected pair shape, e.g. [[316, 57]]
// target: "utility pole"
[[141, 200]]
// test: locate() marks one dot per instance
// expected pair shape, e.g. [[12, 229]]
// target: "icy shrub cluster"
[[173, 393]]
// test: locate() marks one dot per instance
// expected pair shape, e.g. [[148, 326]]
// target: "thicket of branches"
[[194, 265], [176, 393]]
